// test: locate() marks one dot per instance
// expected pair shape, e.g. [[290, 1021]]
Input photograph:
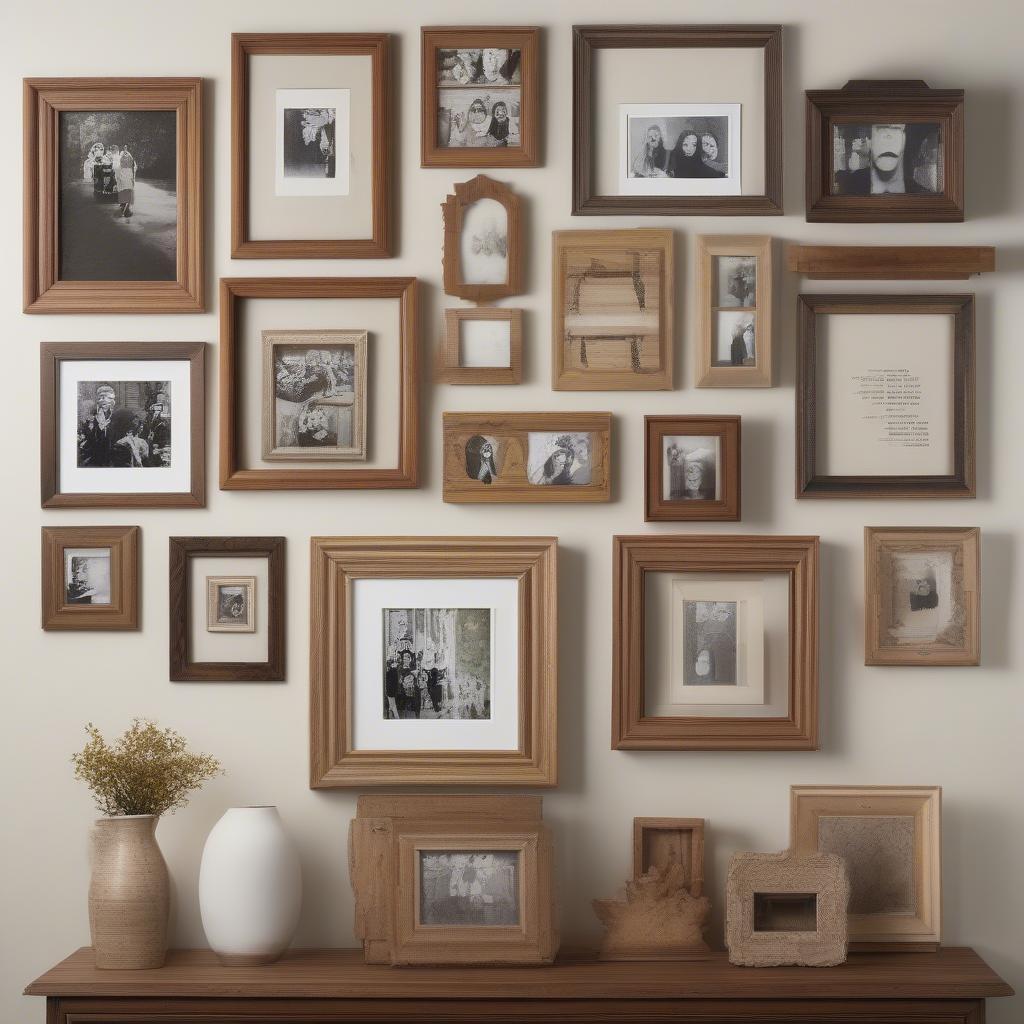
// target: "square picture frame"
[[660, 842], [456, 366]]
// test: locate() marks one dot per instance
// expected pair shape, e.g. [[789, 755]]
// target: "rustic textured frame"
[[689, 830], [449, 368], [213, 585]]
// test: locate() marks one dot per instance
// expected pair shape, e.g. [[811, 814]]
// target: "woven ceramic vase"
[[129, 894]]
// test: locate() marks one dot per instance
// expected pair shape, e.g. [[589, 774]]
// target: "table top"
[[949, 973]]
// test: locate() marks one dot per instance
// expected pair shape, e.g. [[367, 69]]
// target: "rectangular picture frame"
[[450, 367], [213, 585], [656, 839]]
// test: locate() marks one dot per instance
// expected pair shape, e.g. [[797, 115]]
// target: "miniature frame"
[[662, 842], [890, 839], [612, 309], [90, 577], [918, 175], [526, 457], [922, 595], [481, 346], [735, 288], [231, 604], [692, 468]]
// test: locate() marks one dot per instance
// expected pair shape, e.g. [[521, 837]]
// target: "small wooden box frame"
[[657, 842], [450, 369], [761, 374], [920, 928]]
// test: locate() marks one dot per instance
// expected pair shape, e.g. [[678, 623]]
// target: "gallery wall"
[[956, 727]]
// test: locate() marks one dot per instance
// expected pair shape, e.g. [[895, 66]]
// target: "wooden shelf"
[[890, 262]]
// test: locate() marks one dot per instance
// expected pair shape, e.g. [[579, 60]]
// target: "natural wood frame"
[[692, 827], [657, 508], [336, 563], [890, 262], [213, 584], [123, 610], [616, 240], [182, 668], [632, 558], [527, 41], [904, 101], [457, 487], [963, 543], [233, 477], [919, 931], [587, 38], [53, 353], [959, 484], [449, 368], [761, 374], [376, 46], [44, 100]]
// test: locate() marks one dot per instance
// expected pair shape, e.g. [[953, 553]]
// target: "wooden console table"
[[323, 986]]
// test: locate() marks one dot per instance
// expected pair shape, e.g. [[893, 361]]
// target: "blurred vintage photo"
[[461, 888], [230, 604], [479, 98], [484, 458], [690, 470], [555, 460], [886, 159], [87, 575], [924, 600], [710, 653], [736, 281], [124, 424], [734, 343], [312, 142], [483, 244]]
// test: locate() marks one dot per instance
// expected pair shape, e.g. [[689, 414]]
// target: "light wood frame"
[[512, 483], [336, 563], [726, 508], [53, 353], [449, 366], [213, 584], [961, 482], [687, 832], [233, 476], [595, 243], [634, 557], [919, 930], [44, 101], [761, 374], [964, 545], [527, 41], [123, 610], [376, 46]]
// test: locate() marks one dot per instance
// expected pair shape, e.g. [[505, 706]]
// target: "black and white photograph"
[[437, 663], [231, 604], [925, 603], [118, 217], [124, 424], [690, 471], [87, 575], [483, 243], [734, 339], [314, 395], [484, 458], [737, 282], [479, 98], [312, 142], [469, 888], [710, 643], [558, 459], [884, 159]]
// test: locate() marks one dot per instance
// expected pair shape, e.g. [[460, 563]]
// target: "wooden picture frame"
[[376, 46], [714, 314], [61, 610], [213, 623], [633, 558], [535, 458], [338, 563], [958, 640], [723, 503], [527, 42], [52, 356], [451, 369], [45, 100], [890, 262], [235, 476], [182, 550], [960, 483], [863, 102], [590, 38], [628, 265], [659, 842], [455, 212], [917, 924]]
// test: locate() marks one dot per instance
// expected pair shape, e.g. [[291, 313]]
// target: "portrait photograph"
[[710, 643], [469, 888], [557, 460], [734, 342], [87, 576], [231, 604], [690, 469], [313, 154], [887, 159], [124, 424], [736, 280], [485, 456]]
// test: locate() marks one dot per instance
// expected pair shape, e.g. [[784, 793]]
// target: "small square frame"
[[688, 832], [449, 367], [213, 584]]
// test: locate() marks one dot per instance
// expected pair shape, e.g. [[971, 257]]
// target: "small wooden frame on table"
[[662, 842], [890, 262], [481, 346]]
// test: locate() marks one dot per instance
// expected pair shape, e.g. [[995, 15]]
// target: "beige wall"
[[960, 728]]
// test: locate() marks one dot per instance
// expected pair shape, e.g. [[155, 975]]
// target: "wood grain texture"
[[890, 262], [449, 368], [651, 834]]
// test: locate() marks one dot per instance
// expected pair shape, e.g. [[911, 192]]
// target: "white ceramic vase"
[[250, 886]]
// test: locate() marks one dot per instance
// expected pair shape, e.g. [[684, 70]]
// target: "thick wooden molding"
[[890, 262]]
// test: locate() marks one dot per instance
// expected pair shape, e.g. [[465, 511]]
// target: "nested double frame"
[[795, 560]]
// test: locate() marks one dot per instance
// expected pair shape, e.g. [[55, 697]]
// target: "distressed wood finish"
[[890, 262], [655, 840], [44, 100], [449, 369], [235, 477], [587, 38], [182, 668], [376, 46], [336, 563], [632, 558]]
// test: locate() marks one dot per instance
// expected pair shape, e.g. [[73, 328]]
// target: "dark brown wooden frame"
[[632, 558], [526, 40], [960, 484], [53, 353], [44, 100], [450, 371], [123, 610], [587, 38], [890, 262], [235, 289], [902, 101], [376, 46], [657, 509], [182, 668]]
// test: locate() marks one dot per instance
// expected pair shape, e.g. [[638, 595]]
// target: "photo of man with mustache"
[[879, 162]]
